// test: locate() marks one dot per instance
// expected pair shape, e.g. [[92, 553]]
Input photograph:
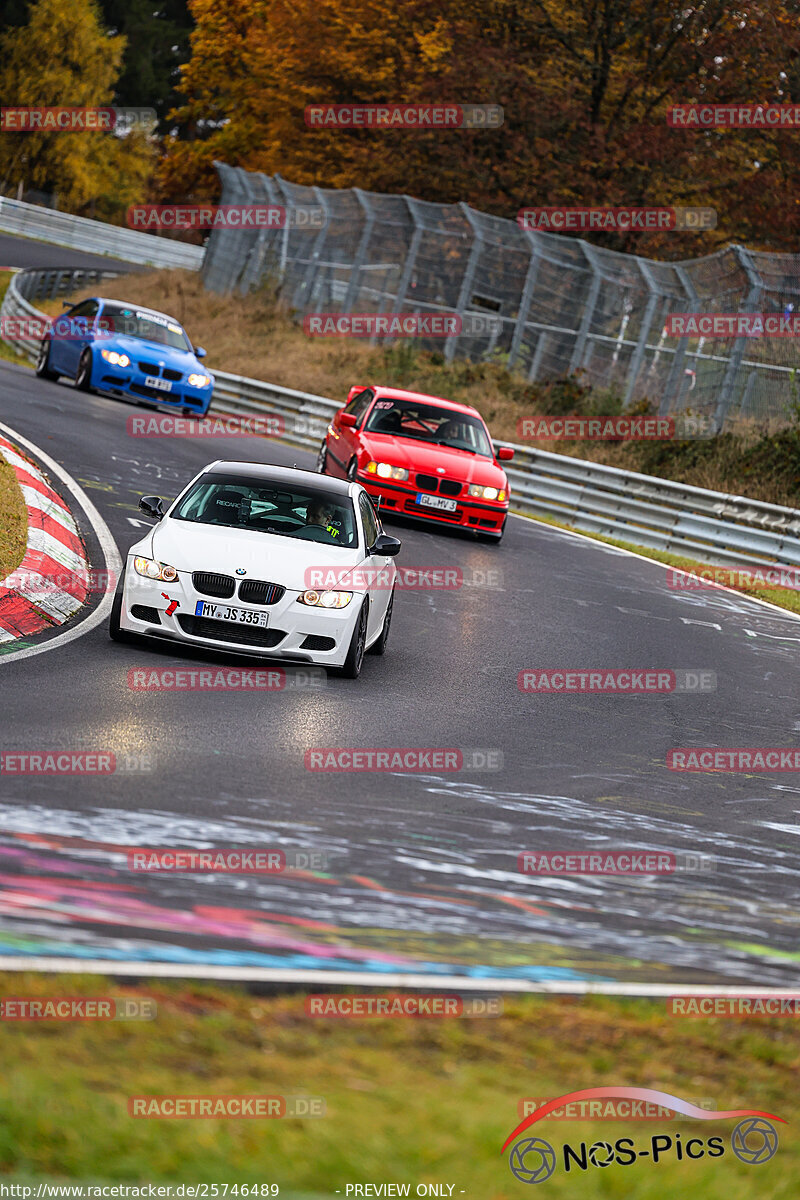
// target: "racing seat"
[[224, 509]]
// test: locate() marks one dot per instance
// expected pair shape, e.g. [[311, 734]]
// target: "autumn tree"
[[64, 57], [585, 85]]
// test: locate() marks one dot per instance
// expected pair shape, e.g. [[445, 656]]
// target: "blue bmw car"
[[106, 346]]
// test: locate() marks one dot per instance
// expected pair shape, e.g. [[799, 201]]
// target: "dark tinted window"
[[369, 519], [136, 323], [360, 403], [245, 502], [429, 423]]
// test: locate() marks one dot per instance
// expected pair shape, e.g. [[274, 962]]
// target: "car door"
[[379, 569], [79, 335], [343, 441]]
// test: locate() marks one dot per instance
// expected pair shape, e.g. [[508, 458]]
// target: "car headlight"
[[198, 380], [325, 599], [116, 360], [486, 493], [386, 470], [154, 570]]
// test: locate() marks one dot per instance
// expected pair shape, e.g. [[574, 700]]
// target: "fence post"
[[644, 332], [361, 251], [737, 353], [591, 303], [305, 288], [672, 390], [528, 290], [469, 277]]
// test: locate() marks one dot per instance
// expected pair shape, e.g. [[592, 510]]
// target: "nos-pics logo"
[[533, 1159]]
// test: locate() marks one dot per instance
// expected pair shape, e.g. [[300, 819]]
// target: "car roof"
[[399, 394], [142, 308], [285, 475]]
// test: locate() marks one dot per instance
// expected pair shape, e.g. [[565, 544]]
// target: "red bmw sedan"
[[424, 457]]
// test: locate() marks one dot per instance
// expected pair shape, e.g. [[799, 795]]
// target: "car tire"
[[355, 653], [43, 369], [379, 646], [83, 379], [115, 630], [322, 459], [352, 469]]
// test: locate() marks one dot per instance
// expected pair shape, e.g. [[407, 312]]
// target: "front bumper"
[[481, 515], [128, 382], [294, 632]]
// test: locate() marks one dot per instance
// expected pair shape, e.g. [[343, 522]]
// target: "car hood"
[[418, 456], [193, 547], [139, 348]]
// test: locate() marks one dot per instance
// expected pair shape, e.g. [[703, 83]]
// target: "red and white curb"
[[52, 581]]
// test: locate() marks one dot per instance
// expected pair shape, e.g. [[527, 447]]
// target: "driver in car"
[[322, 513]]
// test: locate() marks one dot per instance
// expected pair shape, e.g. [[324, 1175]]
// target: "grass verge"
[[407, 1101], [13, 521], [253, 336]]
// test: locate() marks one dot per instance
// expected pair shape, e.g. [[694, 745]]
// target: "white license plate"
[[222, 612], [436, 502], [161, 385]]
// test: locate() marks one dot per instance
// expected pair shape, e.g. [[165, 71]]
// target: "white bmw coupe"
[[263, 560]]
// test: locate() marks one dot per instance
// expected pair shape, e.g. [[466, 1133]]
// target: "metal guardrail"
[[658, 513], [96, 237]]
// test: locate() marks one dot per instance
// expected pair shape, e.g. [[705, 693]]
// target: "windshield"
[[244, 502], [429, 423], [133, 322]]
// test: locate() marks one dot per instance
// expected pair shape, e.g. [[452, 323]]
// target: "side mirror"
[[199, 352], [387, 545], [152, 506], [348, 420], [505, 453]]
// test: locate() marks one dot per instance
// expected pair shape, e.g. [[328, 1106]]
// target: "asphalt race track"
[[422, 868]]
